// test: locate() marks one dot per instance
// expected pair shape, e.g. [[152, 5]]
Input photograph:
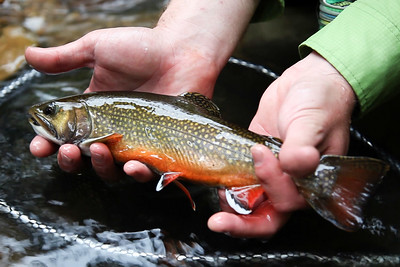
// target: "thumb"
[[299, 155], [279, 186], [62, 58]]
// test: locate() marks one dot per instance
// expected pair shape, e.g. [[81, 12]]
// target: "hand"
[[309, 107], [151, 67], [184, 52]]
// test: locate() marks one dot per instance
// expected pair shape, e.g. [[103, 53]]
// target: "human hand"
[[184, 52], [309, 107], [153, 66]]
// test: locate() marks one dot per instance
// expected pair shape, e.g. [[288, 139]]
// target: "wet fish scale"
[[185, 137], [191, 145]]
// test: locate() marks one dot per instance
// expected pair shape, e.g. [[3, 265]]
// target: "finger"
[[223, 203], [139, 171], [279, 186], [299, 155], [103, 163], [63, 58], [69, 158], [299, 161], [40, 147], [264, 222], [337, 142]]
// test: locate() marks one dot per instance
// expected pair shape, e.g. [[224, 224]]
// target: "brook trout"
[[185, 137]]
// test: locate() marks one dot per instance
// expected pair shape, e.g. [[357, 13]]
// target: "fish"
[[184, 137]]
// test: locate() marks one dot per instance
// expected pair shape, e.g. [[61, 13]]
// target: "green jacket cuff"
[[363, 44]]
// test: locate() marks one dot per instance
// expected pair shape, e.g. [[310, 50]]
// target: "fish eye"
[[50, 110]]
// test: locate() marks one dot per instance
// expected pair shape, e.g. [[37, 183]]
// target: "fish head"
[[61, 122]]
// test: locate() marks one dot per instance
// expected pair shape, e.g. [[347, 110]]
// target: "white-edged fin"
[[160, 186], [234, 205], [166, 178], [84, 146], [243, 199], [170, 177]]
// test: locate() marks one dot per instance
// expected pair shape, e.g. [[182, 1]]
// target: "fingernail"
[[66, 160], [35, 145], [258, 156]]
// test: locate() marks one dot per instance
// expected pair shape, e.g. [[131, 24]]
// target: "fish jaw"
[[43, 128], [61, 122]]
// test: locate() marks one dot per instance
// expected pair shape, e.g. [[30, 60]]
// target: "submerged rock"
[[13, 42]]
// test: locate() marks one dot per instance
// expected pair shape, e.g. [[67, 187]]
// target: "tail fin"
[[341, 186]]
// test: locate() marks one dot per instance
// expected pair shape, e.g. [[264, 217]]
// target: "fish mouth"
[[43, 126]]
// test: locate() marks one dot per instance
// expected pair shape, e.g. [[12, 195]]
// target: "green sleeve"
[[363, 44], [267, 9]]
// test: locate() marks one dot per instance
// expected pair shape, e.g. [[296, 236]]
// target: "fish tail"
[[340, 187]]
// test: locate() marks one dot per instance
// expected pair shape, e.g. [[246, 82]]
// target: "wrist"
[[209, 29], [343, 87]]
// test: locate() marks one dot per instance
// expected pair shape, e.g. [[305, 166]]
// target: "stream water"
[[50, 218]]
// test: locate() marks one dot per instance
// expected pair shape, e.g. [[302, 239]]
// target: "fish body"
[[185, 137]]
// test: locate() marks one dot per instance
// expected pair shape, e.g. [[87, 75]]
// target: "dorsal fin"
[[203, 102]]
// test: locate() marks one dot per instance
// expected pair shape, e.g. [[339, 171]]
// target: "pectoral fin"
[[243, 199], [107, 139]]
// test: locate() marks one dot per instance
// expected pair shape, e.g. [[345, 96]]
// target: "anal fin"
[[243, 199]]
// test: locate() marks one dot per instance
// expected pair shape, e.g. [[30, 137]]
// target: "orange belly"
[[222, 174]]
